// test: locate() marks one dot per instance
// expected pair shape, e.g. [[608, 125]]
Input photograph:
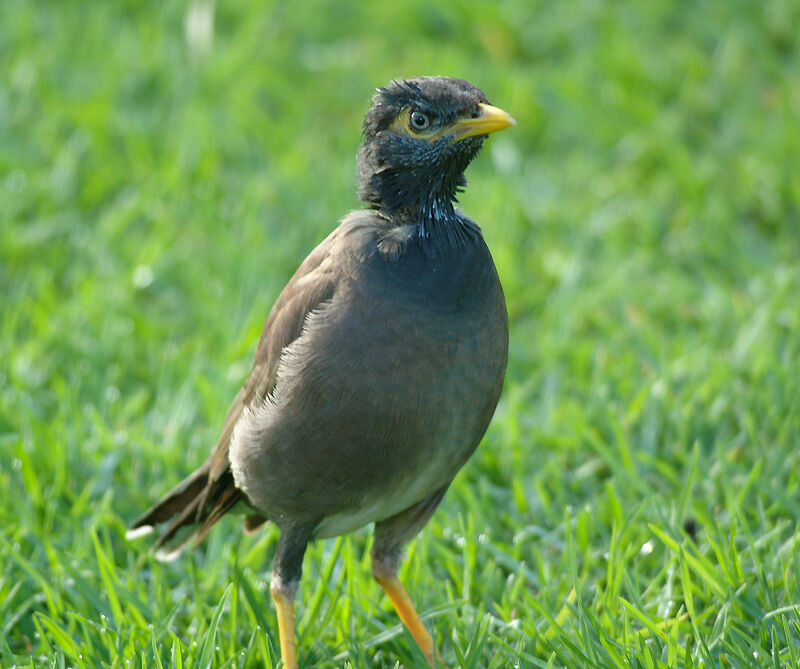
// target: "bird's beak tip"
[[496, 118], [491, 119]]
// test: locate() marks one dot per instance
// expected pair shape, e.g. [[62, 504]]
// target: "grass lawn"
[[636, 502]]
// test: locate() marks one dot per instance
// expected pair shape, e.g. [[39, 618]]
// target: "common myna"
[[379, 366]]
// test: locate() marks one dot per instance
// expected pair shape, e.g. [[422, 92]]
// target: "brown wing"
[[209, 492]]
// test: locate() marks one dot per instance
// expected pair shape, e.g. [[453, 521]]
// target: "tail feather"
[[176, 500], [195, 504], [229, 498], [187, 517]]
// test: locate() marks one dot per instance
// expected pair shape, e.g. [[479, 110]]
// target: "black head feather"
[[412, 178]]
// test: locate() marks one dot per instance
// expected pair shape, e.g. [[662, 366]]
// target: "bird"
[[379, 366]]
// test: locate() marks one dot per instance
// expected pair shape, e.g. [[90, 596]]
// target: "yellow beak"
[[491, 119]]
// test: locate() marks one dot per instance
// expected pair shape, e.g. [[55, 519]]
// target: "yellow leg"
[[284, 605], [408, 614]]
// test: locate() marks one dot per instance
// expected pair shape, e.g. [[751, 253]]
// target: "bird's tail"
[[193, 507]]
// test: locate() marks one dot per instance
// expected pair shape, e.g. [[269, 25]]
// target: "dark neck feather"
[[422, 192], [441, 231]]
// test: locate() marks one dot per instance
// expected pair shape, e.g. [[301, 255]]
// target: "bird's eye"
[[418, 121]]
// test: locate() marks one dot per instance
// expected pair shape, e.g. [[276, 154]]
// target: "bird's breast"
[[386, 394]]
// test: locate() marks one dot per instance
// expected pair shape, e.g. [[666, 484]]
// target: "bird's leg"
[[384, 571], [390, 534], [283, 596], [286, 570]]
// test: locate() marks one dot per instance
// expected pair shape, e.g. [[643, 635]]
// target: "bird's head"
[[419, 137]]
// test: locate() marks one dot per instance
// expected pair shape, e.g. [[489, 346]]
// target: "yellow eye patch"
[[486, 119], [405, 124]]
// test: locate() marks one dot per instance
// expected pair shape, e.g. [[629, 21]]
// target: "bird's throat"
[[428, 204], [441, 231], [417, 183]]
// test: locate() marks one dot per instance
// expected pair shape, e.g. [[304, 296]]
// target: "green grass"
[[636, 500]]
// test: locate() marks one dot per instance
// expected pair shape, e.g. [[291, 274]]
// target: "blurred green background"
[[164, 167]]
